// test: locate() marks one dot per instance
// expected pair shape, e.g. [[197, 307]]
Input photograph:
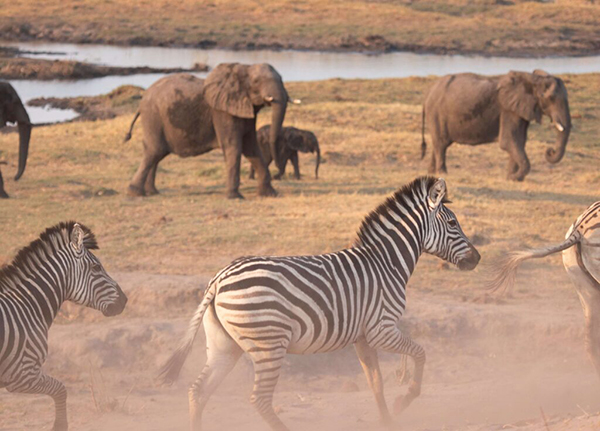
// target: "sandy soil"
[[492, 364]]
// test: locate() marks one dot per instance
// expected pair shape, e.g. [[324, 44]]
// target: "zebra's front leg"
[[370, 363], [392, 340], [46, 385]]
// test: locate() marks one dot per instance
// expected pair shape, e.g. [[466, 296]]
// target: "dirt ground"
[[492, 363]]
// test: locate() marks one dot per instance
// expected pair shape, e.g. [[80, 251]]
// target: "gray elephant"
[[471, 109], [289, 142], [187, 116], [13, 111]]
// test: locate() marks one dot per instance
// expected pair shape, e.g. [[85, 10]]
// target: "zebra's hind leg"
[[222, 354], [45, 385], [267, 357], [370, 363], [392, 340]]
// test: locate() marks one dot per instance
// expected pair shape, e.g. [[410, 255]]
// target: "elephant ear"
[[295, 141], [226, 90], [515, 94]]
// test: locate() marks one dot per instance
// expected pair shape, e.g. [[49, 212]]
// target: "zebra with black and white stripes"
[[581, 259], [56, 267], [271, 306]]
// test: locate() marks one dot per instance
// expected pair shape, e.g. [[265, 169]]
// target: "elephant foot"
[[277, 177], [135, 191], [234, 194], [3, 195], [267, 191], [515, 177], [60, 426], [151, 192]]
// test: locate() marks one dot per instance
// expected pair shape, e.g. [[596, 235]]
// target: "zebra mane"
[[416, 189], [50, 241]]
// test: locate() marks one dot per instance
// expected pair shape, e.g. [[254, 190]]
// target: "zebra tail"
[[505, 271], [169, 372]]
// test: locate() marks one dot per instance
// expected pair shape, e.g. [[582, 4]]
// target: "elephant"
[[12, 110], [289, 142], [471, 109], [188, 116], [581, 259]]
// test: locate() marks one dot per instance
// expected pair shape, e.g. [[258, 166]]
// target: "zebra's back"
[[307, 303]]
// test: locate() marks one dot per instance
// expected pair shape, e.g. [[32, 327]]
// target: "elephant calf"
[[472, 109], [289, 141]]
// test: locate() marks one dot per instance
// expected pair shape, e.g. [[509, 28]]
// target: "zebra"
[[56, 267], [581, 259], [270, 306]]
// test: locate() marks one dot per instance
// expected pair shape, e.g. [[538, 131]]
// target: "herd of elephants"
[[188, 116]]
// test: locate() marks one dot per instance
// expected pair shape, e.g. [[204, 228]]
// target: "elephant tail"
[[128, 135], [506, 270], [423, 142]]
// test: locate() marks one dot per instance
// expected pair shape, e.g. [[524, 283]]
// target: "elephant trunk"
[[277, 116], [318, 162], [555, 155], [24, 126]]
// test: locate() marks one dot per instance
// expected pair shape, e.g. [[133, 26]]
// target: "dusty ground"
[[14, 67], [492, 362], [506, 27]]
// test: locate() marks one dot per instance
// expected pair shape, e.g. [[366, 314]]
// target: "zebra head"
[[90, 284], [444, 238]]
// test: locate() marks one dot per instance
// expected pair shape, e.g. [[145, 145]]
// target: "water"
[[292, 65]]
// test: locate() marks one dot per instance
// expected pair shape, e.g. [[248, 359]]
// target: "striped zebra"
[[270, 306], [581, 259], [56, 267]]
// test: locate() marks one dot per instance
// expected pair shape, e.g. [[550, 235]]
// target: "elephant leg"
[[251, 176], [233, 157], [3, 193], [518, 155], [154, 152], [150, 185], [294, 159], [253, 154], [439, 157]]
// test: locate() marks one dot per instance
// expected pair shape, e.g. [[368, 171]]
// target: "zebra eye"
[[452, 223]]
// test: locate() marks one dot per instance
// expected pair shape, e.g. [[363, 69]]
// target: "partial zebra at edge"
[[504, 272]]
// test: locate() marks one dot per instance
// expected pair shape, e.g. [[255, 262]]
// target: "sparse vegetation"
[[516, 27]]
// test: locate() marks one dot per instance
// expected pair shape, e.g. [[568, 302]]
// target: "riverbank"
[[14, 67], [488, 27]]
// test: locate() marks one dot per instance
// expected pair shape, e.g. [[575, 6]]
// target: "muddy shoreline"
[[372, 44], [13, 66]]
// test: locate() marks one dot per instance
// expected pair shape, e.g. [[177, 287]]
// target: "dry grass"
[[370, 136], [508, 27]]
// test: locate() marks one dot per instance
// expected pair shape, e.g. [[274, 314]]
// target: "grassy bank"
[[370, 138], [456, 26]]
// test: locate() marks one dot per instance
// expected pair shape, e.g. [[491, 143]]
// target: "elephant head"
[[304, 141], [11, 111], [243, 90], [531, 95]]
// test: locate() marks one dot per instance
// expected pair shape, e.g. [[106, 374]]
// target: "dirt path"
[[490, 365]]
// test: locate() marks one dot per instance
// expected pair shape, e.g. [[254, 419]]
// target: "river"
[[292, 65]]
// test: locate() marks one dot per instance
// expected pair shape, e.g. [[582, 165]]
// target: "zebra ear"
[[437, 193], [77, 238]]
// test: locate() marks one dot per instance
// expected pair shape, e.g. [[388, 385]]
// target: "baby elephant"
[[289, 142]]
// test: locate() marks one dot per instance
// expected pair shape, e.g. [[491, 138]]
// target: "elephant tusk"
[[295, 101], [269, 99], [559, 127]]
